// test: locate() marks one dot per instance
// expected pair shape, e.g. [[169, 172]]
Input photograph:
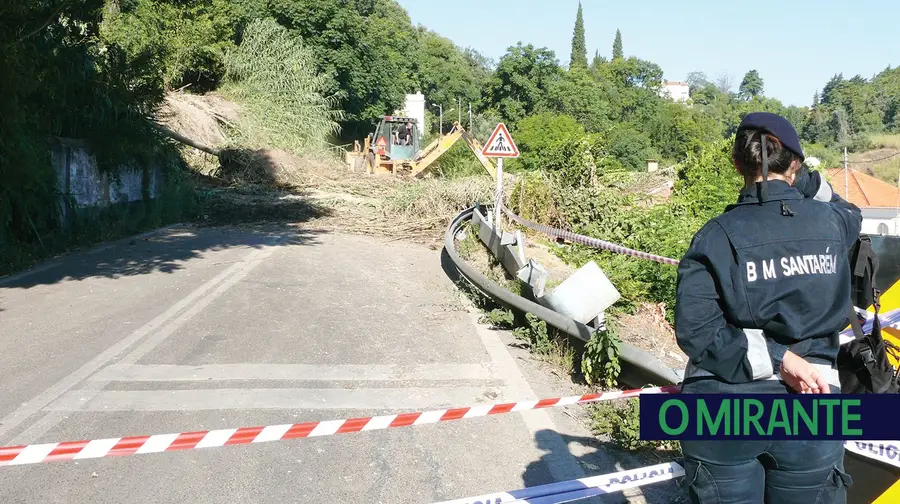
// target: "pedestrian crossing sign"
[[501, 144]]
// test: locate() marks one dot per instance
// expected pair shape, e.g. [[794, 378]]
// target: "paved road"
[[193, 329]]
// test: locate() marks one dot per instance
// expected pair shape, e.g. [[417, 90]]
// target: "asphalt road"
[[207, 328]]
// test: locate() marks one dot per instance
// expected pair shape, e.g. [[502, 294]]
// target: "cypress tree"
[[579, 48], [617, 46]]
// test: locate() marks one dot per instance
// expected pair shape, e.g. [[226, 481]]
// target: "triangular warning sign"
[[500, 144]]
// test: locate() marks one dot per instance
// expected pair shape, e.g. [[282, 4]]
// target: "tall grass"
[[885, 141], [888, 171], [274, 75]]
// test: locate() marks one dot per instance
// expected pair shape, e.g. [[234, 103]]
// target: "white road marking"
[[158, 329], [297, 372], [399, 399]]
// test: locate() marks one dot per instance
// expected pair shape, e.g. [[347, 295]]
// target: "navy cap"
[[775, 125]]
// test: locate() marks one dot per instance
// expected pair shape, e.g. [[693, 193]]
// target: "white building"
[[676, 91], [415, 108], [878, 200]]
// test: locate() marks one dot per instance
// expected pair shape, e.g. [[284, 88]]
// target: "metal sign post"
[[498, 196]]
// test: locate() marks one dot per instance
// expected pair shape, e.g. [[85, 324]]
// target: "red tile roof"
[[864, 190]]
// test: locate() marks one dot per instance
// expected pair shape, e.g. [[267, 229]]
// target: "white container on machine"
[[584, 295]]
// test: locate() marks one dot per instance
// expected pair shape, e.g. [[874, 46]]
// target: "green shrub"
[[533, 197], [600, 361], [535, 332], [629, 149], [499, 317], [540, 137]]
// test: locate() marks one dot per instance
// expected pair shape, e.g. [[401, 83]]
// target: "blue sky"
[[795, 45]]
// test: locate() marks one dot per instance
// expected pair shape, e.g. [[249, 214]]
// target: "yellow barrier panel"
[[892, 496]]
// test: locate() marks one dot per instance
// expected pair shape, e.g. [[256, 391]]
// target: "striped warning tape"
[[887, 452], [587, 240], [890, 319], [566, 491], [140, 445]]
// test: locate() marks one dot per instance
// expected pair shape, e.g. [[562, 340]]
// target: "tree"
[[579, 49], [696, 80], [725, 82], [580, 95], [628, 148], [840, 125], [519, 86], [751, 86], [540, 136], [193, 37], [617, 52], [445, 73], [369, 46], [706, 94], [597, 62], [831, 91], [636, 72]]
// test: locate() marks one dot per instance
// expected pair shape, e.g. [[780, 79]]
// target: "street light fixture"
[[441, 119]]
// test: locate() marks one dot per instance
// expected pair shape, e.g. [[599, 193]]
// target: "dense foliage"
[[63, 79]]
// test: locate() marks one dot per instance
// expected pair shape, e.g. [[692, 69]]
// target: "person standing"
[[752, 319]]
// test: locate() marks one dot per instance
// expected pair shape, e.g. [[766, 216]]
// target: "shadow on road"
[[600, 461], [163, 251]]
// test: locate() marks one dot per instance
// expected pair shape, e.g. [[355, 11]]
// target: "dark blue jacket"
[[763, 278]]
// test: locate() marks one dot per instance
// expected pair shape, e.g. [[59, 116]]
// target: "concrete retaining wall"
[[79, 178]]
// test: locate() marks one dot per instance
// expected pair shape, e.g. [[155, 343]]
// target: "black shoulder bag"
[[863, 363]]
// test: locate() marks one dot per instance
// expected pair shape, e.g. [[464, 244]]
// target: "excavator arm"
[[437, 148]]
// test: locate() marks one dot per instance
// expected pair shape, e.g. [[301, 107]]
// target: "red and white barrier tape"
[[140, 445], [587, 240]]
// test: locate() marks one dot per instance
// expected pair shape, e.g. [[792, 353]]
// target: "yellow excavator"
[[394, 148]]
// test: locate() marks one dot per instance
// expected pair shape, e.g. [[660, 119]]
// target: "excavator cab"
[[396, 138], [395, 148]]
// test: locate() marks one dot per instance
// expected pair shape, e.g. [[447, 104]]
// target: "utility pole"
[[470, 116], [846, 177], [440, 118], [459, 110]]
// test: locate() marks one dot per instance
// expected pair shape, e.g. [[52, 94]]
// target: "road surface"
[[192, 329]]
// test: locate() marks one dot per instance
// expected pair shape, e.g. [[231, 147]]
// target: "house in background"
[[878, 200], [676, 91]]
